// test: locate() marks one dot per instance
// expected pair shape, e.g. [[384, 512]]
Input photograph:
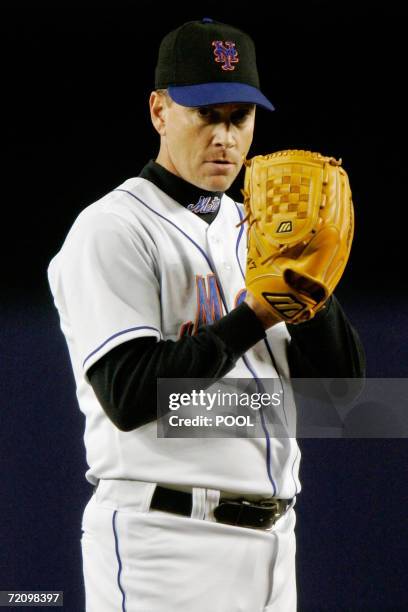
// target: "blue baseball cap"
[[208, 62]]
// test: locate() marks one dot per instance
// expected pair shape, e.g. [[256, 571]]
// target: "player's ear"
[[158, 107]]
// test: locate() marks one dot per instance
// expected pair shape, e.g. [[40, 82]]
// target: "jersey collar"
[[199, 201]]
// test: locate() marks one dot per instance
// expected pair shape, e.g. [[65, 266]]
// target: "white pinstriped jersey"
[[136, 263]]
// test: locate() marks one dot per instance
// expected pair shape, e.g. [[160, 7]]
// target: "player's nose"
[[223, 135]]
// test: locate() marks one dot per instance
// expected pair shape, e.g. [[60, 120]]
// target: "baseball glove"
[[300, 229]]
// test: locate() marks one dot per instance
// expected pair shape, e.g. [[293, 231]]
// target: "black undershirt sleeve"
[[124, 380], [327, 346]]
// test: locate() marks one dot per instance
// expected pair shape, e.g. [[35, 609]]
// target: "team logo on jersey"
[[209, 305], [205, 204], [226, 54]]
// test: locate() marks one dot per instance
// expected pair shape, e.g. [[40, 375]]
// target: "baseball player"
[[150, 284]]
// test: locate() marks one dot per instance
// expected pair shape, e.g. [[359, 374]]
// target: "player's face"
[[206, 145]]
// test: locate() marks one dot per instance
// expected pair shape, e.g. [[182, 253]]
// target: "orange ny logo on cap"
[[225, 54]]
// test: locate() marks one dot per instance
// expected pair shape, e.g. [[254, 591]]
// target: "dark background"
[[76, 80]]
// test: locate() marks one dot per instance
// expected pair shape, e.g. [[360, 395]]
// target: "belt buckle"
[[269, 504], [255, 515], [275, 506]]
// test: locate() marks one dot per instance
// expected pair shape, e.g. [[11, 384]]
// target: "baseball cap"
[[207, 62]]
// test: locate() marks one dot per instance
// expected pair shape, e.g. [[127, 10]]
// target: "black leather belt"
[[241, 512]]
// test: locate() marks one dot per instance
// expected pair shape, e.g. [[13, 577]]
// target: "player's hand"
[[265, 315]]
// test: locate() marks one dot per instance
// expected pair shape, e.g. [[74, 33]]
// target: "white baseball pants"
[[141, 560]]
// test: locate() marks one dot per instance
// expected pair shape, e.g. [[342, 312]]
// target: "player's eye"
[[209, 115], [212, 115], [204, 112], [239, 116]]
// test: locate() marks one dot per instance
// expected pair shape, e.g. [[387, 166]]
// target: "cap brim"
[[218, 93]]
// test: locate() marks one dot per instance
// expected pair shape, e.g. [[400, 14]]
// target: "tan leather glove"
[[300, 230]]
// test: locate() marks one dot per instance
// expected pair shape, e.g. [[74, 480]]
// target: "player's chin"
[[219, 182]]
